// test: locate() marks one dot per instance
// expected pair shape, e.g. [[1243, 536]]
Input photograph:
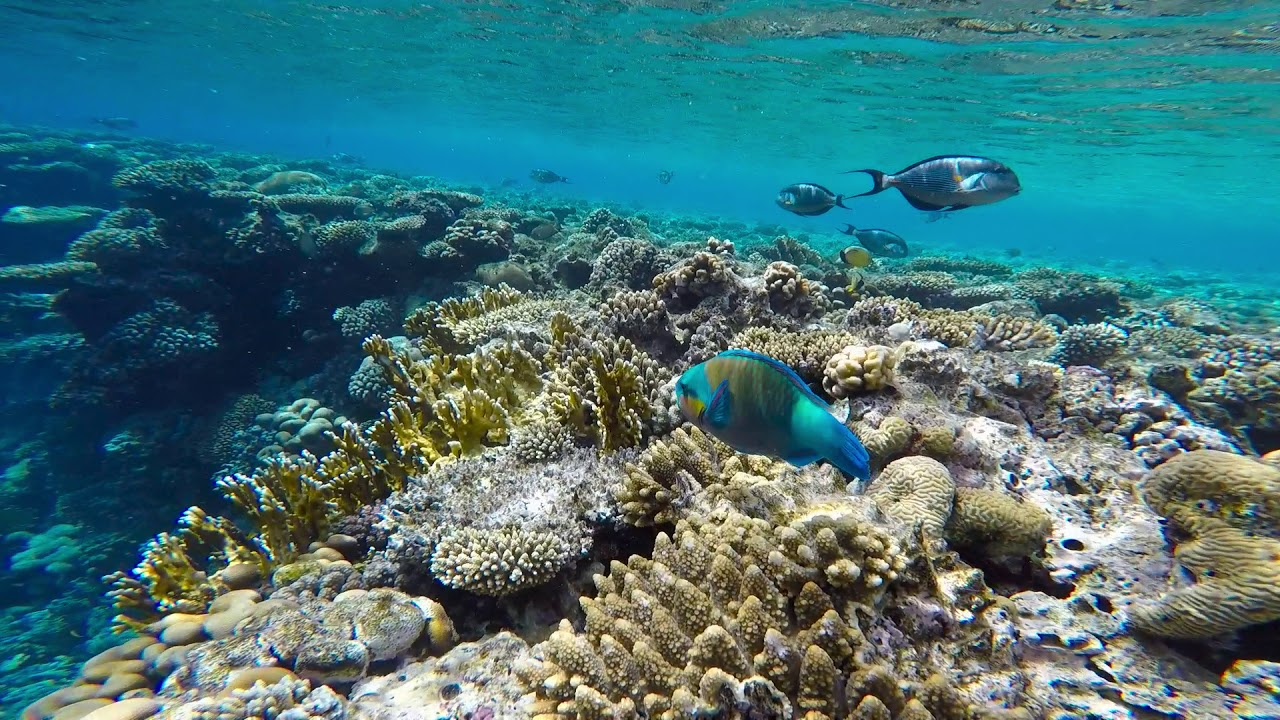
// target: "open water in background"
[[1144, 132]]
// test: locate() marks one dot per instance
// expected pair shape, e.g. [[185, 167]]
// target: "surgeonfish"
[[547, 176], [948, 182], [758, 405], [664, 176], [808, 199], [856, 256], [881, 242]]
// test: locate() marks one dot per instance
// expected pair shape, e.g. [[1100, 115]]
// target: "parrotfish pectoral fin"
[[718, 410]]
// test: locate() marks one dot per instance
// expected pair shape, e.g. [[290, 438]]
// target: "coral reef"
[[435, 413]]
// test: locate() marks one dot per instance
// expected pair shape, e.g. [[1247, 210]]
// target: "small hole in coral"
[[1072, 544], [1103, 603], [450, 691]]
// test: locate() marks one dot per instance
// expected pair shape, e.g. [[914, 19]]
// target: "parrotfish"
[[948, 182], [808, 199], [759, 406], [547, 176]]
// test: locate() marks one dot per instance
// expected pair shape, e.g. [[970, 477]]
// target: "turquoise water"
[[1146, 135], [1140, 130]]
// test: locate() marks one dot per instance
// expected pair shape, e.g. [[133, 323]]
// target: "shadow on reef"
[[436, 414]]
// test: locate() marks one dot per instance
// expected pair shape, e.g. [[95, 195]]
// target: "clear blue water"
[[1146, 135], [1140, 134]]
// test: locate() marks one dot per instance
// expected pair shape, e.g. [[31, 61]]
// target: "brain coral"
[[1227, 506]]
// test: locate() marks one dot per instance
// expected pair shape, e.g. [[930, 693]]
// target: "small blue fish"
[[759, 406]]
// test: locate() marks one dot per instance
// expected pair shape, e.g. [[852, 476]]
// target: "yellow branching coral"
[[604, 388], [435, 322], [286, 501], [449, 406], [996, 524], [174, 574], [730, 613]]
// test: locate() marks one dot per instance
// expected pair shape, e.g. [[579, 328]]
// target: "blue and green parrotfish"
[[759, 406]]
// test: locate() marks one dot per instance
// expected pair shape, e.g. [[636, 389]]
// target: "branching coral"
[[120, 243], [502, 561], [434, 322], [605, 388], [806, 352], [1092, 344], [731, 612], [705, 274], [792, 294]]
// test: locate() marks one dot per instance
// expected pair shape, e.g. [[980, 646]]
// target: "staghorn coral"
[[1225, 507], [917, 491], [856, 369], [718, 620], [993, 523], [500, 561], [1092, 344], [793, 295]]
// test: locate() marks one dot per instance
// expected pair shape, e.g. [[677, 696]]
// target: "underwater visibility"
[[665, 360]]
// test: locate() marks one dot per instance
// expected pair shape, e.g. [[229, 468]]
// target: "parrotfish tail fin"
[[877, 177], [846, 452]]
